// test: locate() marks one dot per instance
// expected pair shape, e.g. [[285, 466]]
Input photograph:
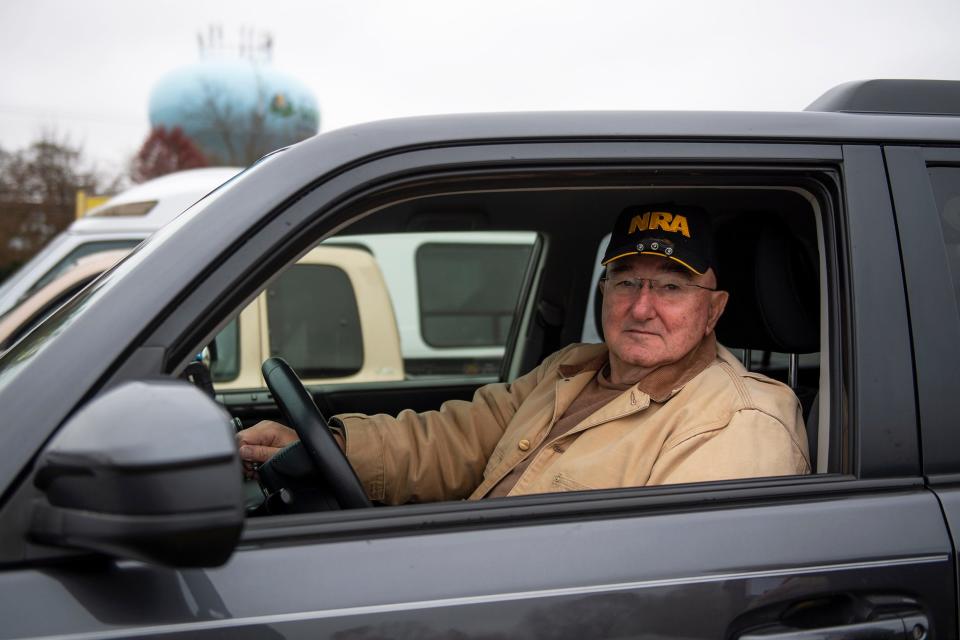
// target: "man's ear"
[[718, 302]]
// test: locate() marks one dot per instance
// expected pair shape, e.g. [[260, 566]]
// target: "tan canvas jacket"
[[724, 423]]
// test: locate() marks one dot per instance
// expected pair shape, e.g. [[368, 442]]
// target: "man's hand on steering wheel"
[[260, 442], [318, 449]]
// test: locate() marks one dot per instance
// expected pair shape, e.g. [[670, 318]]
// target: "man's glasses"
[[625, 288]]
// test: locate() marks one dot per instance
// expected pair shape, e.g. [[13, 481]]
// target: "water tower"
[[232, 103]]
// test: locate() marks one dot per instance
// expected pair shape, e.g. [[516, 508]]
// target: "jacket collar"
[[661, 383]]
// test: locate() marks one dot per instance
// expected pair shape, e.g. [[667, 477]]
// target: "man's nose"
[[643, 307]]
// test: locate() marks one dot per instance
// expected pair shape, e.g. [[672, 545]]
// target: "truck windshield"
[[23, 351]]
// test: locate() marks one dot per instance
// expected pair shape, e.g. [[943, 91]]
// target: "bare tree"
[[38, 191]]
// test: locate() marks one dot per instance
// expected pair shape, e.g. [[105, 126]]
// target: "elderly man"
[[659, 402]]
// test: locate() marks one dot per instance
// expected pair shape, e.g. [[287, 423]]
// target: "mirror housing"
[[148, 471]]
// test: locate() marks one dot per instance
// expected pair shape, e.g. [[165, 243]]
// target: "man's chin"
[[645, 359]]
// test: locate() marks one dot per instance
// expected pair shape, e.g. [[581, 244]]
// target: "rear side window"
[[468, 292], [946, 190], [314, 321]]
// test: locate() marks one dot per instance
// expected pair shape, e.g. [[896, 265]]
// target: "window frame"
[[430, 170]]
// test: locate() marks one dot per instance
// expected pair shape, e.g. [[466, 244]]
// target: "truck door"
[[926, 193]]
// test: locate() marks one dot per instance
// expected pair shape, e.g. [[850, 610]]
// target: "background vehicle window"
[[468, 292], [81, 251], [226, 364], [946, 191], [314, 323], [43, 313]]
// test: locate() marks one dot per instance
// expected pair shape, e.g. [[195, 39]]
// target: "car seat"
[[772, 275]]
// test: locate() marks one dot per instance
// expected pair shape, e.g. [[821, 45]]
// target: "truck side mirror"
[[147, 470]]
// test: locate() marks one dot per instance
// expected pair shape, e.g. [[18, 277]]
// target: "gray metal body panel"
[[623, 577]]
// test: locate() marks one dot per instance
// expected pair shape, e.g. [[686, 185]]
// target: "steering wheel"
[[304, 417]]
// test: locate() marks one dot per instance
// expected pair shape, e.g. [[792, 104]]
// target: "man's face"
[[644, 330]]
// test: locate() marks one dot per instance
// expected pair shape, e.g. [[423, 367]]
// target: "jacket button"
[[557, 448], [524, 444]]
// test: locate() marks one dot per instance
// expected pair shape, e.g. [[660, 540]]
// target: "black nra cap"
[[680, 233]]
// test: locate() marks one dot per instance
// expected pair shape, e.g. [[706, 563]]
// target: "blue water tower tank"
[[234, 110]]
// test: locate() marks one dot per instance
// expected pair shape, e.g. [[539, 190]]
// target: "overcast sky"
[[85, 68]]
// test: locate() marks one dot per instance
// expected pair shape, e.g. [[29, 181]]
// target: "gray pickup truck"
[[122, 507]]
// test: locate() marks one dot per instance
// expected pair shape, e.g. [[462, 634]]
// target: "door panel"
[[671, 575], [925, 184], [948, 492]]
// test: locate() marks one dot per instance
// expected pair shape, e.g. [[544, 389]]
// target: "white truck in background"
[[120, 223], [452, 317], [284, 320], [329, 315], [415, 319]]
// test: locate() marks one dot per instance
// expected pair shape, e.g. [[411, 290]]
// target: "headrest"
[[772, 277]]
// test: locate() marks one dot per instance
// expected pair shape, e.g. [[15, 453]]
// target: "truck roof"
[[760, 126], [150, 205]]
